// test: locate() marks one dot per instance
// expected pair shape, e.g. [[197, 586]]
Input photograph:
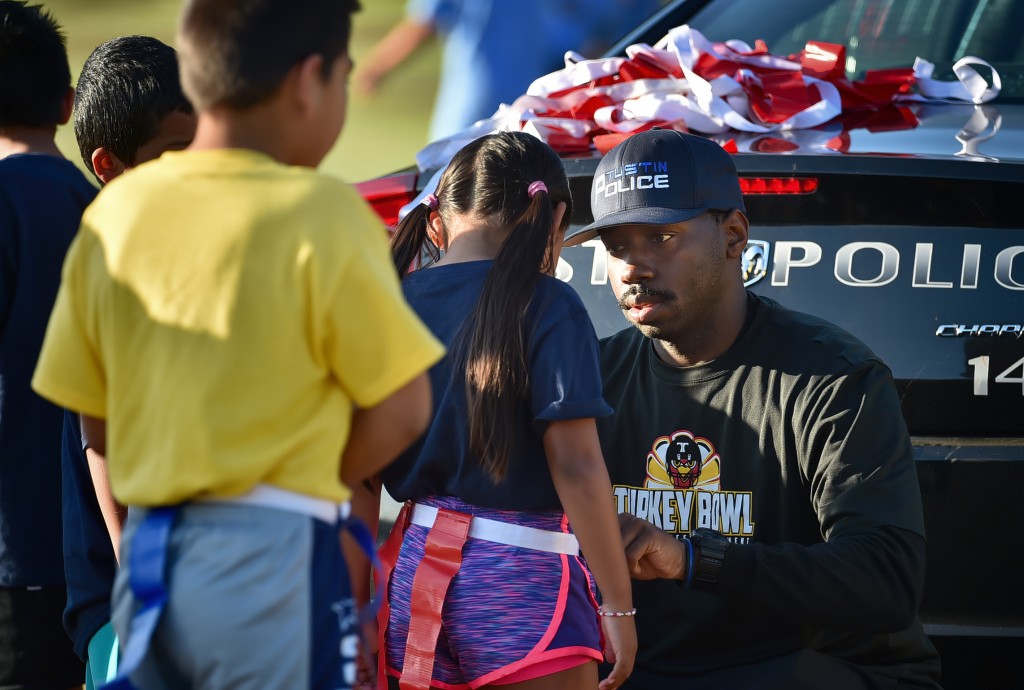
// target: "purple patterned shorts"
[[510, 613]]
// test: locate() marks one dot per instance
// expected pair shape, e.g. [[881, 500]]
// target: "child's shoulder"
[[33, 167], [43, 180], [555, 295], [310, 191], [249, 177], [558, 288]]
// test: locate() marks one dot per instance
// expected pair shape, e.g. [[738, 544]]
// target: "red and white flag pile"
[[689, 83]]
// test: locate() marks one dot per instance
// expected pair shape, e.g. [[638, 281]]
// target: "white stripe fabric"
[[506, 532]]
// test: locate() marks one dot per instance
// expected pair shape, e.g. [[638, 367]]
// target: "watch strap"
[[710, 548]]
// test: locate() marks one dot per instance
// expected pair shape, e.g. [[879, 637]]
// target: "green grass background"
[[382, 133]]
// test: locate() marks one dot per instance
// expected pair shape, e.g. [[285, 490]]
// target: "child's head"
[[494, 180], [35, 80], [237, 56], [489, 178], [129, 106]]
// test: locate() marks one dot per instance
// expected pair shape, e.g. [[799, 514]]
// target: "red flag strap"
[[442, 558], [388, 554]]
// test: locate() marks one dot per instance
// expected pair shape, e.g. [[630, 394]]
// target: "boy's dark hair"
[[236, 53], [126, 88], [34, 72], [489, 178]]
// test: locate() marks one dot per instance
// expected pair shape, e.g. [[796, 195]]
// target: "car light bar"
[[778, 185], [387, 195]]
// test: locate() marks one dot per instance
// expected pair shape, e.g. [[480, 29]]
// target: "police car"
[[903, 225]]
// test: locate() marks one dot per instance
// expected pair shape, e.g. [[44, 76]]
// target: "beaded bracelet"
[[615, 614]]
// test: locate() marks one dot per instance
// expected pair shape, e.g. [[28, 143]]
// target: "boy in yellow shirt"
[[229, 326]]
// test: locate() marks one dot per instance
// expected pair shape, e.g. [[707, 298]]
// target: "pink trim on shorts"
[[541, 661], [566, 658], [535, 666], [559, 614], [538, 650]]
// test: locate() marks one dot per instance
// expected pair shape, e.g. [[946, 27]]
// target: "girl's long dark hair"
[[489, 178]]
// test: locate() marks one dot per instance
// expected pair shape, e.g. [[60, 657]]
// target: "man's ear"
[[736, 228], [106, 164], [67, 106]]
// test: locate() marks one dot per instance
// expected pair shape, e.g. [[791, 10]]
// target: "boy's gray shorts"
[[258, 598]]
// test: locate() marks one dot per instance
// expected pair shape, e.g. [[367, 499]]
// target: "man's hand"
[[651, 554]]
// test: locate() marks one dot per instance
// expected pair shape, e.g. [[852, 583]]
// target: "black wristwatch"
[[709, 551]]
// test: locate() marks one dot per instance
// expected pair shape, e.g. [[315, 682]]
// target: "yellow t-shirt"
[[223, 313]]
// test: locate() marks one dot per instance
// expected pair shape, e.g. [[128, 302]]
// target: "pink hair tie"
[[430, 201], [535, 187]]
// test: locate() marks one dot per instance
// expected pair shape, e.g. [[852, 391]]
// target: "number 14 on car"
[[1012, 374]]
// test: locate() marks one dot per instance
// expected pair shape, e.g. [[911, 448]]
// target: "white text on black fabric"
[[632, 176], [680, 511]]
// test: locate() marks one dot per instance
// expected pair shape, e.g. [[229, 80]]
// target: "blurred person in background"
[[494, 49]]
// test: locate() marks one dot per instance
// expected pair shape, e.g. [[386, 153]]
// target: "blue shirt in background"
[[494, 49]]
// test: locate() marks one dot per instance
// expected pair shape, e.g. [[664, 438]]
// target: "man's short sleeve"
[[375, 343], [565, 372], [70, 370]]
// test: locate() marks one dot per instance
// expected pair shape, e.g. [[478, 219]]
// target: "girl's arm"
[[380, 433], [581, 480]]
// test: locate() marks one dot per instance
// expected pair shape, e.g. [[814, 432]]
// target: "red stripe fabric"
[[388, 555], [441, 560]]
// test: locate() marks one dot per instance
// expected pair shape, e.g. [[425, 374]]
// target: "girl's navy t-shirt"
[[565, 383]]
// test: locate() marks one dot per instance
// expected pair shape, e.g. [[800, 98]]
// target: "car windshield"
[[881, 34]]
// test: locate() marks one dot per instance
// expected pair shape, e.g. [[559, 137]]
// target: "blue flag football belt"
[[147, 575]]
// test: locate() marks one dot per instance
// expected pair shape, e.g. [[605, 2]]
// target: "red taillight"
[[388, 194], [778, 185]]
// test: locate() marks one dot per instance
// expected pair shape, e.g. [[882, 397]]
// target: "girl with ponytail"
[[507, 491]]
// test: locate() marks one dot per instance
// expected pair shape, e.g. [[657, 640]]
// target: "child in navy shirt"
[[42, 196], [508, 486]]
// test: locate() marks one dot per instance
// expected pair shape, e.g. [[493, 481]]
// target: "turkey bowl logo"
[[682, 490], [754, 263], [681, 461]]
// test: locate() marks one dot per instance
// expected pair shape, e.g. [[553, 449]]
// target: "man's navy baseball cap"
[[659, 177]]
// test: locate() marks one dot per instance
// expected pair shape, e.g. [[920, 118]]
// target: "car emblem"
[[755, 261]]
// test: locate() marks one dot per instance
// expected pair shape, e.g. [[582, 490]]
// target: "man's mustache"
[[638, 290]]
